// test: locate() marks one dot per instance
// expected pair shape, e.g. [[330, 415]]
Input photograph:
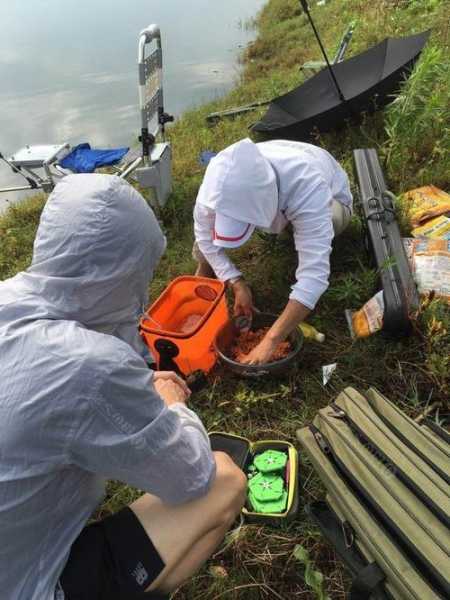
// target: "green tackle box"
[[242, 451]]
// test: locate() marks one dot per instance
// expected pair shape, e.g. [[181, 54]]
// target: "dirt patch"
[[245, 342]]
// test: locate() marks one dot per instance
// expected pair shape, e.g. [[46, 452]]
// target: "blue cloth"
[[84, 159], [205, 157]]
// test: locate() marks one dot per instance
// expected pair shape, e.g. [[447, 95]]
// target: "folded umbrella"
[[359, 84]]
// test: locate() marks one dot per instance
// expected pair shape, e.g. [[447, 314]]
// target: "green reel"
[[266, 486], [273, 506], [270, 461]]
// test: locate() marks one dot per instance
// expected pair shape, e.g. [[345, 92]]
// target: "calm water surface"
[[68, 68]]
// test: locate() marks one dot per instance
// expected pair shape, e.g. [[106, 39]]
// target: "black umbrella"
[[362, 83]]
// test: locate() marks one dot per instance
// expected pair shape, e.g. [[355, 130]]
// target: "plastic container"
[[229, 331], [181, 324], [310, 332], [242, 451], [400, 297]]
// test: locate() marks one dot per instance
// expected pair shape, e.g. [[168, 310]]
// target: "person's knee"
[[341, 216], [233, 484]]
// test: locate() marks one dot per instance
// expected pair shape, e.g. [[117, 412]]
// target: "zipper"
[[439, 431], [421, 564], [378, 453], [348, 533], [378, 547], [320, 439], [409, 444]]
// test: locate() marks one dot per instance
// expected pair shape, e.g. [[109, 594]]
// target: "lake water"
[[68, 68]]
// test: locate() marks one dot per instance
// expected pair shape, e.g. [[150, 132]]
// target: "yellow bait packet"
[[368, 319], [424, 203], [438, 228]]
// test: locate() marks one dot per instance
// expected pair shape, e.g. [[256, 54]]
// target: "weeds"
[[313, 578], [351, 289], [418, 123]]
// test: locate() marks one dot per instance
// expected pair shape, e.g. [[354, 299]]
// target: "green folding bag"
[[387, 508]]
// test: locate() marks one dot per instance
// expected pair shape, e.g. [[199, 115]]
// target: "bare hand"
[[261, 354], [243, 301], [171, 387], [172, 376]]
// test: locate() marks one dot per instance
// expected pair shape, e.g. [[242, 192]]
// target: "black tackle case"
[[385, 244]]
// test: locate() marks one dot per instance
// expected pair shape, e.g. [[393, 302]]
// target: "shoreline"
[[102, 104]]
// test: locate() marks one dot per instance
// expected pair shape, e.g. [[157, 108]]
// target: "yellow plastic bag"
[[438, 228], [368, 319], [424, 203], [311, 332]]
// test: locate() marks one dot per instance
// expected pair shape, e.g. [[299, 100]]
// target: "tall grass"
[[418, 124]]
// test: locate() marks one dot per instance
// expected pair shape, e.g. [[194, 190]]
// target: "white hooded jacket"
[[77, 402], [268, 185]]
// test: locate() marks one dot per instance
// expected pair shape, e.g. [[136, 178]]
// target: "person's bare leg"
[[191, 563], [186, 535]]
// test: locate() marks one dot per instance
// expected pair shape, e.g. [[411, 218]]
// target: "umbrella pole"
[[305, 7]]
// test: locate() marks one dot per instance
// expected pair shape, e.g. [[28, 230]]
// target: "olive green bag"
[[387, 508]]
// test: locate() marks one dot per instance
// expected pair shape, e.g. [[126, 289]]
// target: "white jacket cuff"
[[307, 295]]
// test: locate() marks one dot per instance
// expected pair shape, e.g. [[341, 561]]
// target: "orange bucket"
[[181, 325]]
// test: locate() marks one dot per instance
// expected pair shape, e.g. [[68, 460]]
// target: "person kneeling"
[[266, 186], [79, 405]]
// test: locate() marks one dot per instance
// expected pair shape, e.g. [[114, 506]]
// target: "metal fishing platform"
[[150, 166]]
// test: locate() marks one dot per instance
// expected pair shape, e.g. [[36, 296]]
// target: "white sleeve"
[[126, 432], [190, 421], [313, 234], [216, 257]]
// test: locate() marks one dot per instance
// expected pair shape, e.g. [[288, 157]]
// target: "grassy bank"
[[413, 139]]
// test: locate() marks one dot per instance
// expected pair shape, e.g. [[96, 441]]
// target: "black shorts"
[[112, 559]]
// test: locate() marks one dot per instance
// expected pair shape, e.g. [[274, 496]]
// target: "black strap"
[[331, 528], [367, 578], [367, 582]]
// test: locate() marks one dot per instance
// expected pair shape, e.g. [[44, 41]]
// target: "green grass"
[[412, 136]]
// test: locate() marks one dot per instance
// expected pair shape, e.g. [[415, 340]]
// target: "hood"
[[241, 184], [96, 247]]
